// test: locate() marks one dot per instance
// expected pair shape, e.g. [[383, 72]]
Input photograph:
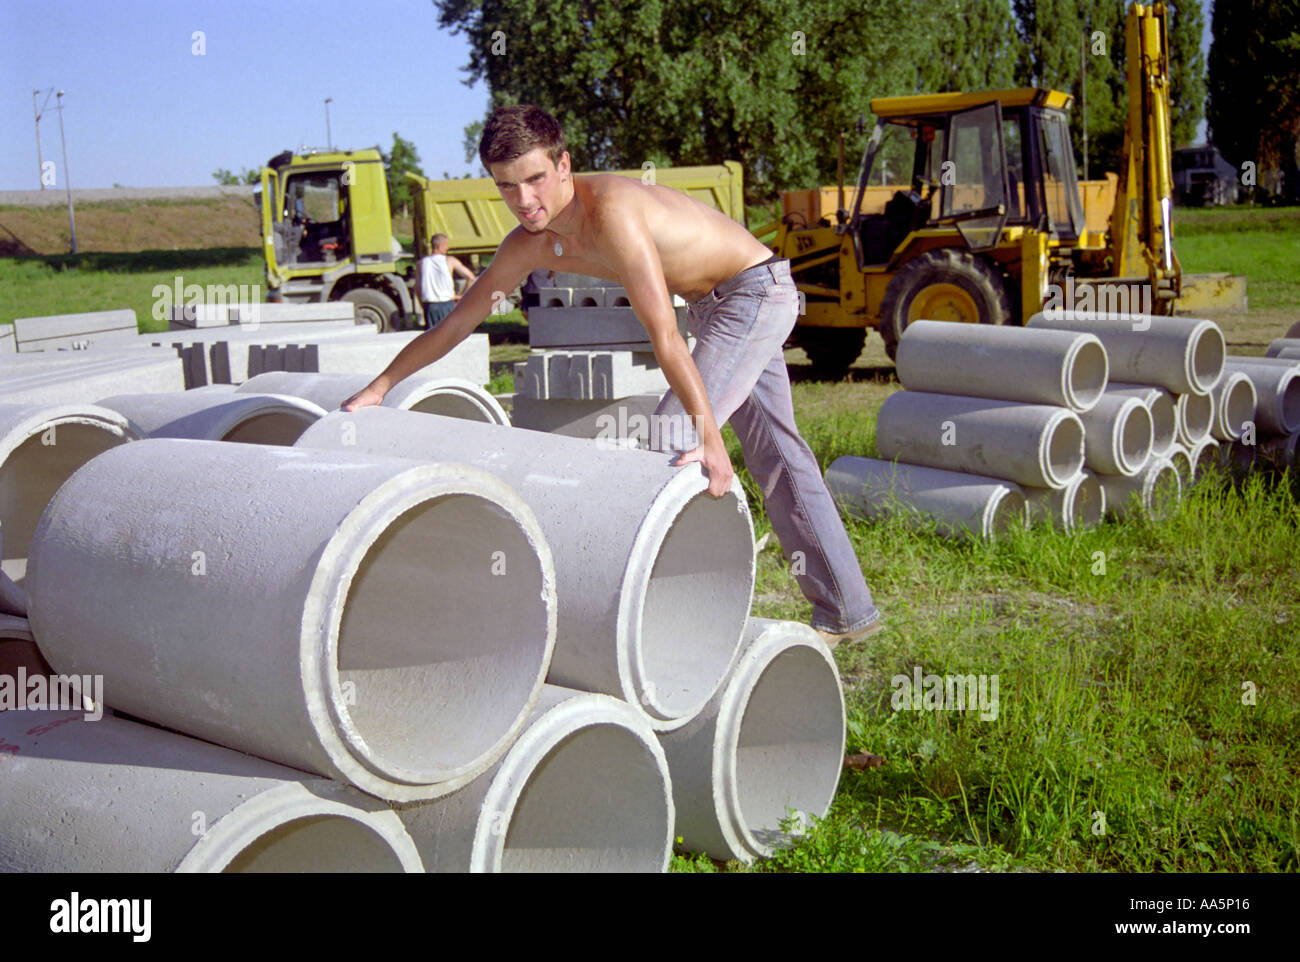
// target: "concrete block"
[[284, 313], [616, 422], [573, 327], [616, 374], [182, 317], [74, 331], [85, 383]]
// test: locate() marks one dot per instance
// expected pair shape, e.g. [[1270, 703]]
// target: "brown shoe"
[[849, 637]]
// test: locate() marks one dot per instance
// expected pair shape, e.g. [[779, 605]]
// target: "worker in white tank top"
[[437, 287]]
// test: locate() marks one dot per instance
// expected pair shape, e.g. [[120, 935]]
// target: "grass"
[[1261, 243]]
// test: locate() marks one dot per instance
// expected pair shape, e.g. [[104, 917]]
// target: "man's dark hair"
[[513, 131]]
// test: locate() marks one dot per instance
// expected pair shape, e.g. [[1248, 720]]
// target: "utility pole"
[[67, 181], [1083, 96], [40, 160], [329, 140]]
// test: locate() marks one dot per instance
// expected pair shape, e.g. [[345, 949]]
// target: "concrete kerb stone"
[[961, 505], [89, 330], [81, 382], [321, 610], [219, 416], [40, 447], [768, 747], [112, 795], [654, 576], [584, 789]]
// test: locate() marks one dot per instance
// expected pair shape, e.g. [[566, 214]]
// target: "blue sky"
[[142, 110]]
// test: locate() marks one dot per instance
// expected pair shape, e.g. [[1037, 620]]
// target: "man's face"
[[533, 187]]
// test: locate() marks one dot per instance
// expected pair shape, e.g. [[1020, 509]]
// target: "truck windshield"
[[1060, 182]]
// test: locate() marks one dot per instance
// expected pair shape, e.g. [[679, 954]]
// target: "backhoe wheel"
[[831, 350], [945, 284], [373, 307]]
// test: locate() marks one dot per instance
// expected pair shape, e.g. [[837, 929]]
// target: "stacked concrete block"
[[589, 375], [591, 327], [74, 331]]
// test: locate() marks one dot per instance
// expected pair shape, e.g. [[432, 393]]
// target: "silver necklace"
[[559, 250]]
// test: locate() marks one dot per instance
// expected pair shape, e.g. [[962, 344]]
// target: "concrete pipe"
[[1064, 368], [1280, 452], [655, 577], [1183, 354], [1293, 330], [1234, 405], [960, 505], [450, 397], [377, 620], [1080, 504], [1195, 418], [1117, 435], [218, 416], [584, 789], [18, 650], [1284, 347], [114, 795], [1034, 444], [1204, 454], [1277, 392], [768, 747], [1160, 405], [1182, 461], [40, 446], [13, 600], [1153, 493]]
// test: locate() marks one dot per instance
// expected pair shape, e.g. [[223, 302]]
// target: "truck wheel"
[[945, 284], [373, 307], [831, 350]]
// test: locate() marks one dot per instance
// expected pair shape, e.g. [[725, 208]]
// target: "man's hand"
[[712, 455], [367, 396]]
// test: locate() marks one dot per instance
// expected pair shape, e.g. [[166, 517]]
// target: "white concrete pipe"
[[1160, 405], [584, 789], [1080, 504], [1182, 354], [1234, 405], [113, 795], [1182, 461], [1064, 368], [40, 446], [1277, 392], [450, 397], [1117, 435], [218, 416], [1034, 444], [769, 746], [654, 576], [1154, 492], [1195, 418], [1204, 454], [1287, 348], [380, 621], [960, 505]]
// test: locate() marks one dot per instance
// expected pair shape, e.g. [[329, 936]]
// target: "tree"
[[1187, 70], [400, 159], [250, 175], [975, 46], [1254, 89]]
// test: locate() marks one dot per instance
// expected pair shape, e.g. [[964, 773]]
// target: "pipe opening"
[[443, 637], [1164, 422], [1197, 411], [1064, 448], [1008, 513], [788, 752], [695, 603], [1206, 356], [1087, 503], [1086, 376], [1289, 403], [320, 843], [31, 475], [1134, 437], [1165, 491], [276, 427], [595, 803], [451, 405], [1238, 400]]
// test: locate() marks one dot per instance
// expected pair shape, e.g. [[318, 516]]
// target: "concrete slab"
[[73, 331]]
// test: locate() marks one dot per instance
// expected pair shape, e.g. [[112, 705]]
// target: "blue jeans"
[[740, 329], [435, 311]]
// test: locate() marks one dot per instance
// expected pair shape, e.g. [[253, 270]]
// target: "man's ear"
[[565, 165]]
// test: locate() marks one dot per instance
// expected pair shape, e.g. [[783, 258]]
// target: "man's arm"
[[503, 274], [626, 242], [456, 267]]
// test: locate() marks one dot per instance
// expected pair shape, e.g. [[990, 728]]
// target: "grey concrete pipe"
[[1183, 354], [654, 576], [376, 620], [1182, 461], [40, 446], [1293, 330], [1195, 418], [1160, 405], [1064, 368], [450, 397], [113, 795], [1204, 454], [1117, 435], [1035, 444], [1080, 504], [18, 649], [1234, 405], [1154, 492], [218, 416], [1277, 392], [584, 789], [1280, 451], [1287, 348], [768, 747], [960, 505]]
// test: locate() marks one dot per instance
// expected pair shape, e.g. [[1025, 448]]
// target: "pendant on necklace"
[[559, 251]]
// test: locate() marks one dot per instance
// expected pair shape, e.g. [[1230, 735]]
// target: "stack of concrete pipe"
[[1270, 438], [486, 659]]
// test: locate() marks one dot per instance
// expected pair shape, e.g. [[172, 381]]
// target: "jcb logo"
[[803, 242]]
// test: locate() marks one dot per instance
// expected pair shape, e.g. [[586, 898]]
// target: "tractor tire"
[[373, 307], [831, 350], [945, 284]]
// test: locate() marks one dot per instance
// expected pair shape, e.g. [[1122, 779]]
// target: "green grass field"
[[1149, 715]]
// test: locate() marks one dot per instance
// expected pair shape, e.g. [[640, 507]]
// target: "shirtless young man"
[[655, 242]]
